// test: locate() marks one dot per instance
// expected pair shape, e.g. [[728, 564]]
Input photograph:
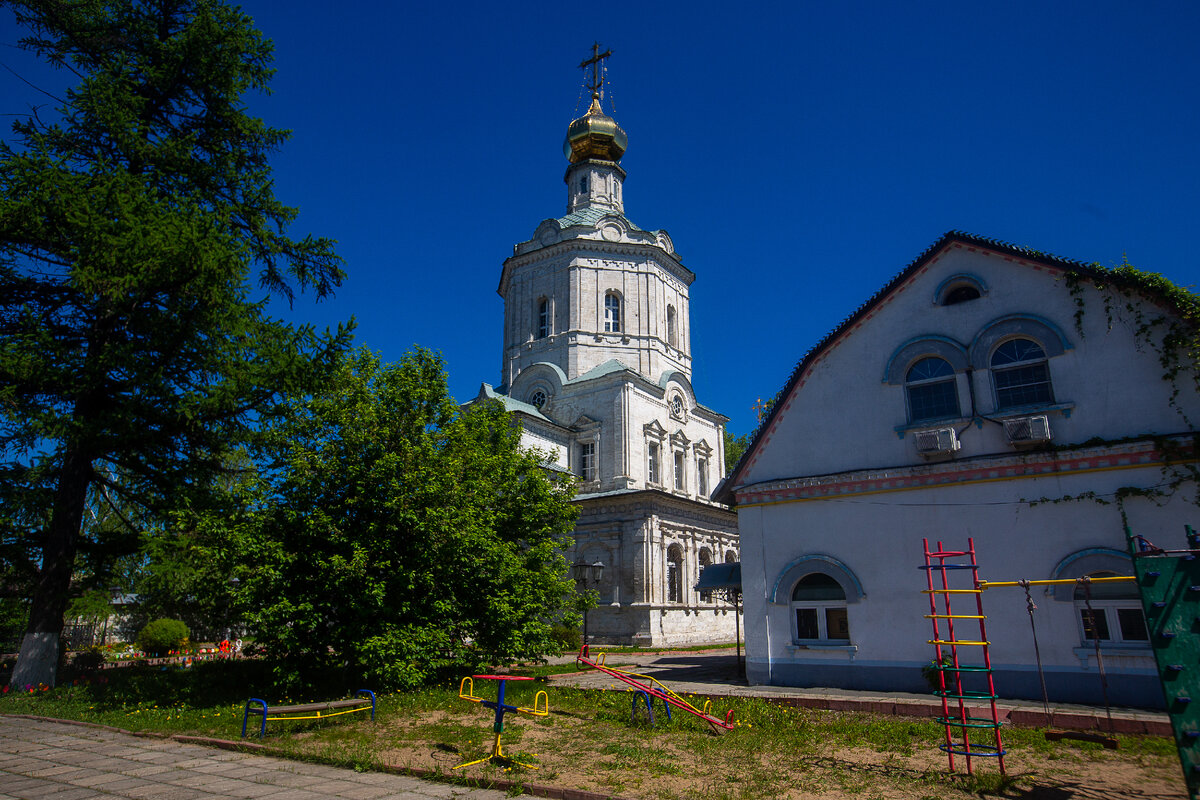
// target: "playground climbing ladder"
[[954, 676]]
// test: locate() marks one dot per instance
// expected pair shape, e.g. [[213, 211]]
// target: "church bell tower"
[[596, 369]]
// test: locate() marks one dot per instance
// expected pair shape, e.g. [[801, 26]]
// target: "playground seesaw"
[[650, 687]]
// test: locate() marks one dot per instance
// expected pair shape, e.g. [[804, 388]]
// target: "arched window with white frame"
[[672, 333], [819, 610], [612, 313], [1020, 374], [932, 390]]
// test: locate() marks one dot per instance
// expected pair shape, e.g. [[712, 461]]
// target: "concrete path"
[[40, 759]]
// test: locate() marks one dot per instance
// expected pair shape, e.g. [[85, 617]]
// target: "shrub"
[[567, 637], [162, 635], [931, 672]]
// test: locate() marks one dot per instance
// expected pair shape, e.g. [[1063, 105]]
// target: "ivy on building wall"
[[1166, 322], [1166, 318]]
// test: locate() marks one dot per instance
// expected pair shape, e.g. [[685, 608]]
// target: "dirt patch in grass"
[[588, 741]]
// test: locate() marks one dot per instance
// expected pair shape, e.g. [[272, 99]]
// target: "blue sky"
[[799, 154]]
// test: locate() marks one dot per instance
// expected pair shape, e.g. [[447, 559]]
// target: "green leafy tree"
[[735, 446], [400, 534], [132, 223]]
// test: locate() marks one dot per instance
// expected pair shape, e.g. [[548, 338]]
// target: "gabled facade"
[[597, 370], [983, 393]]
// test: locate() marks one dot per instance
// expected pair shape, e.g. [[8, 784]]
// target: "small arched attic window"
[[959, 289]]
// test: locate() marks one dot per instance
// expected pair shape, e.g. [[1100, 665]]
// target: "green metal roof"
[[591, 216]]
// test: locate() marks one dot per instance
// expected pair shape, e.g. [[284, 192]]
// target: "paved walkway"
[[40, 759]]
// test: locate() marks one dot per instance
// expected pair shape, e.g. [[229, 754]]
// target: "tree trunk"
[[37, 662]]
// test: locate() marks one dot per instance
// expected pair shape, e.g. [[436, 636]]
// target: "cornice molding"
[[1132, 455]]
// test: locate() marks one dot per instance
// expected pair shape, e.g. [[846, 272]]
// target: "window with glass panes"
[[652, 462], [612, 313], [819, 609], [1020, 374], [1116, 612], [932, 390], [587, 461]]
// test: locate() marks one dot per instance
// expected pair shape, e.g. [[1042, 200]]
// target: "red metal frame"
[[666, 695], [935, 561]]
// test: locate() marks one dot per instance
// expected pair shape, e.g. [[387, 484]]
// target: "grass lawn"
[[589, 742]]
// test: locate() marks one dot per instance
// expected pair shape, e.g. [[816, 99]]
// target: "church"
[[597, 367]]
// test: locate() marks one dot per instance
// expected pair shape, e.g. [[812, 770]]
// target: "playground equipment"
[[649, 689], [946, 661], [1169, 581], [1086, 582], [466, 690]]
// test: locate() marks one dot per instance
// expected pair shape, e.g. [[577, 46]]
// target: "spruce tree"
[[140, 239]]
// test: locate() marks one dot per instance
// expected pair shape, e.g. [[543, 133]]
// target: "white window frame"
[[1116, 633], [821, 609], [921, 383], [612, 312], [1043, 360], [1109, 608], [653, 465], [587, 461]]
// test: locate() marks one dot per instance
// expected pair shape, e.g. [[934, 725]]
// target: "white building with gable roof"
[[987, 392]]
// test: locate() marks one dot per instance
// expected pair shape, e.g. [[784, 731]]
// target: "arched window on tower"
[[612, 312], [672, 335]]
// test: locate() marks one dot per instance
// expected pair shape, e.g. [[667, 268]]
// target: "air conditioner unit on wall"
[[936, 442], [1027, 430]]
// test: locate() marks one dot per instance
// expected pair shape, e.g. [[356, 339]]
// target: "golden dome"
[[595, 135]]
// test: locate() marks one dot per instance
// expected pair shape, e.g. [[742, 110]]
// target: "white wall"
[[837, 475]]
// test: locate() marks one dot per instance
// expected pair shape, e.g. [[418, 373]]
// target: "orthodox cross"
[[762, 407], [594, 62]]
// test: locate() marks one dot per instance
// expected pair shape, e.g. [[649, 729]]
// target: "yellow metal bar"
[[958, 641], [659, 685], [955, 616], [541, 706], [1056, 582], [466, 690], [949, 591], [319, 715]]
